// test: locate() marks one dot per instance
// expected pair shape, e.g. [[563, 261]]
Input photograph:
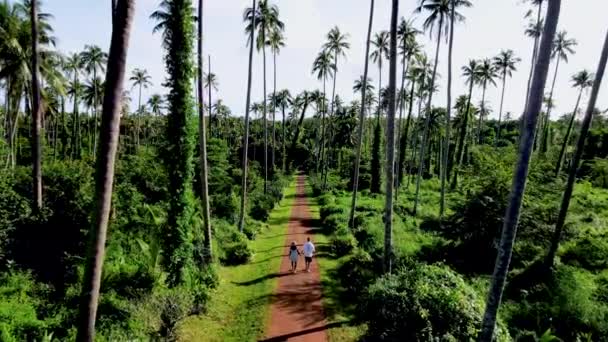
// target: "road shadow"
[[261, 279], [286, 337]]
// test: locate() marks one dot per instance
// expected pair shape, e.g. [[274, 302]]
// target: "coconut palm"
[[110, 128], [275, 41], [380, 53], [581, 80], [37, 115], [578, 153], [211, 83], [440, 14], [249, 15], [364, 78], [74, 66], [266, 21], [504, 64], [534, 30], [301, 102], [509, 229], [323, 67], [562, 48], [487, 74], [284, 100], [156, 104], [140, 79], [94, 59]]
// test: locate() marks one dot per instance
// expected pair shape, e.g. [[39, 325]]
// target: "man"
[[309, 250]]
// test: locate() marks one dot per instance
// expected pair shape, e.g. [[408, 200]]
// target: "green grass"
[[239, 307]]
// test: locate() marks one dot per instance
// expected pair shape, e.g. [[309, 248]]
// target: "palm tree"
[[380, 43], [578, 153], [141, 79], [509, 229], [156, 104], [37, 115], [266, 21], [210, 82], [94, 59], [448, 121], [283, 100], [390, 140], [179, 36], [249, 15], [534, 30], [276, 41], [440, 15], [110, 127], [364, 88], [487, 73], [202, 131], [562, 48], [504, 64], [324, 68], [471, 72], [74, 65], [581, 80]]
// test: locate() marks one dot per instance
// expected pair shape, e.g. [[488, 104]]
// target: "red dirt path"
[[297, 309]]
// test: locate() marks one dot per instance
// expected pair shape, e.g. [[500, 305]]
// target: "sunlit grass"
[[239, 307]]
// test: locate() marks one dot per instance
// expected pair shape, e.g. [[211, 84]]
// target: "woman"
[[294, 253]]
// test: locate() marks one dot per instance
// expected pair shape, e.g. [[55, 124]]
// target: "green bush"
[[20, 302], [357, 272], [591, 252], [421, 304], [342, 242], [233, 248]]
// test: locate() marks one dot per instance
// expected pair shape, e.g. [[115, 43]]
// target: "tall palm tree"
[[178, 42], [562, 48], [471, 73], [504, 64], [487, 73], [248, 15], [380, 53], [440, 16], [275, 41], [581, 80], [520, 175], [534, 30], [94, 59], [36, 112], [336, 44], [156, 104], [202, 131], [266, 21], [390, 140], [578, 153], [211, 83], [74, 66], [140, 79], [446, 141], [324, 67], [283, 99], [110, 127], [351, 220]]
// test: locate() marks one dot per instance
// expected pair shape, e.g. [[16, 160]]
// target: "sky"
[[491, 26]]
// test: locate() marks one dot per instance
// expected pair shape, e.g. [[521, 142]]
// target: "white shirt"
[[309, 249]]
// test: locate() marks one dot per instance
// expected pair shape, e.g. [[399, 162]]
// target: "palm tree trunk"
[[520, 175], [404, 136], [502, 98], [274, 108], [322, 135], [560, 159], [209, 95], [462, 138], [390, 142], [331, 114], [425, 134], [105, 168], [353, 205], [246, 137], [36, 117], [482, 111], [578, 153], [284, 141], [202, 131], [543, 143], [265, 117], [94, 113], [138, 130], [401, 101], [534, 53], [446, 140]]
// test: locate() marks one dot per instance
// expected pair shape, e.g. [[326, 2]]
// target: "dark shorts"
[[308, 259]]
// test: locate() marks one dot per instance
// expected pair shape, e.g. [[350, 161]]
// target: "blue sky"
[[491, 25]]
